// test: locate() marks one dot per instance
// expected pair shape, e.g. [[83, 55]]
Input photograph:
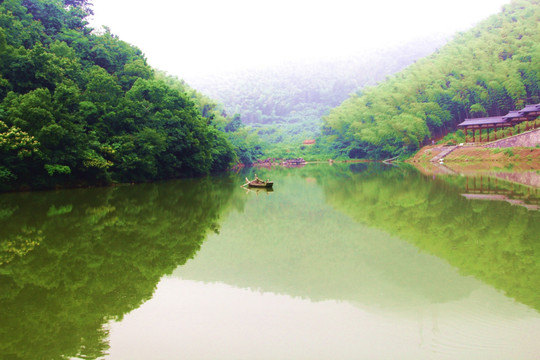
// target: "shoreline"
[[524, 147], [478, 154]]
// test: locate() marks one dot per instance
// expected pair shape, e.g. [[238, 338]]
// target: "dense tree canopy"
[[489, 70], [246, 144], [78, 107]]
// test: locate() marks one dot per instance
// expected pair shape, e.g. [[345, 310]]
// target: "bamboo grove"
[[489, 70]]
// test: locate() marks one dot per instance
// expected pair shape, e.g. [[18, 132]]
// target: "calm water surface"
[[338, 262]]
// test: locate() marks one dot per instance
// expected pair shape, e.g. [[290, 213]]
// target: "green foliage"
[[454, 138], [17, 142], [83, 107], [509, 152], [57, 169], [490, 69]]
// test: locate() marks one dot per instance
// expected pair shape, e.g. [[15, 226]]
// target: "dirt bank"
[[523, 147], [480, 154]]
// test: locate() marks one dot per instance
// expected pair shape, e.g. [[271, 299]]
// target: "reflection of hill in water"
[[72, 260], [292, 242], [493, 241]]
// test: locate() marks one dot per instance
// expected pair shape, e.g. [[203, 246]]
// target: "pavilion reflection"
[[494, 188]]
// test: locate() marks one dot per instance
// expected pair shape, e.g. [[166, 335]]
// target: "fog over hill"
[[286, 103]]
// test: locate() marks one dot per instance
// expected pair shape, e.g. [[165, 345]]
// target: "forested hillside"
[[489, 70], [81, 107], [285, 104]]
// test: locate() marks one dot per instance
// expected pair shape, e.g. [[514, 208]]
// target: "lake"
[[343, 261]]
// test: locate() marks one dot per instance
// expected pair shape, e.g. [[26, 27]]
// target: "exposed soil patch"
[[509, 155]]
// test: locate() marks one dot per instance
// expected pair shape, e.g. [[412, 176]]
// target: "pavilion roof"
[[483, 121], [530, 108], [512, 115]]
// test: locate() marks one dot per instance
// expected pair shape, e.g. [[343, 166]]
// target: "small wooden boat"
[[258, 183]]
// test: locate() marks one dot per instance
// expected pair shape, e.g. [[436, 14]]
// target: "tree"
[[89, 108]]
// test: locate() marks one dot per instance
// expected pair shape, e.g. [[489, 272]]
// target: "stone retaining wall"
[[527, 139]]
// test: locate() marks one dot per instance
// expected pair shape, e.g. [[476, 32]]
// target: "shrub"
[[509, 152]]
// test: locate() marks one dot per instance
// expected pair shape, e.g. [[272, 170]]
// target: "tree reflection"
[[72, 260], [491, 240]]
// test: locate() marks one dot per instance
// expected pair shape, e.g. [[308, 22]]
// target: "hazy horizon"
[[200, 38]]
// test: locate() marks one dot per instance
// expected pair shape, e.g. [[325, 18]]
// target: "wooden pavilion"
[[495, 123], [528, 113]]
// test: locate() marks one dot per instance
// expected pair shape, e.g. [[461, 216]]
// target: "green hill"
[[488, 70], [81, 107], [284, 104]]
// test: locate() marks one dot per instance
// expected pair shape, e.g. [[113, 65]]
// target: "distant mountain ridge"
[[286, 103]]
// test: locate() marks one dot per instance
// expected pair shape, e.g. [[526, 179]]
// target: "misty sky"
[[201, 37]]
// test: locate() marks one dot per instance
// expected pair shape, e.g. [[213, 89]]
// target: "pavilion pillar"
[[487, 134], [465, 134], [481, 184], [495, 133]]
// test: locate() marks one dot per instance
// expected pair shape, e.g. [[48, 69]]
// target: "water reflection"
[[338, 262], [72, 260], [197, 320], [294, 243], [495, 242], [406, 256]]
